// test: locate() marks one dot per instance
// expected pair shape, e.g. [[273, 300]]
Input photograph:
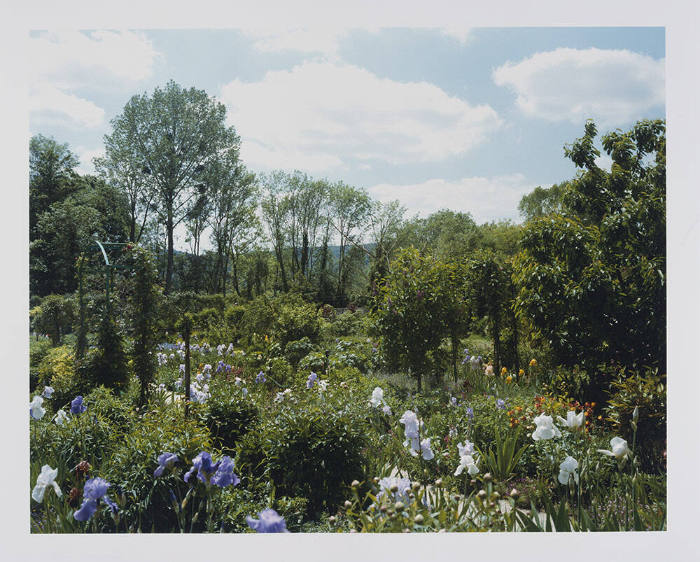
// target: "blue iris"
[[270, 522], [95, 490], [166, 460], [76, 406]]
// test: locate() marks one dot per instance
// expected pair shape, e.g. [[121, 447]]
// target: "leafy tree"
[[349, 208], [173, 136], [409, 312], [542, 201], [592, 279], [51, 175], [488, 285], [144, 303], [233, 196]]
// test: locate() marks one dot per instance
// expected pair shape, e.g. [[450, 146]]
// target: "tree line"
[[584, 275]]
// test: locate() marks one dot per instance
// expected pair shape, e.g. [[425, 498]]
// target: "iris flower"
[[270, 522], [465, 449], [545, 428], [46, 478], [95, 490], [468, 462], [311, 380], [224, 475], [567, 469], [35, 408], [377, 397], [61, 417], [219, 473], [76, 406], [573, 420], [166, 460], [619, 448], [48, 392]]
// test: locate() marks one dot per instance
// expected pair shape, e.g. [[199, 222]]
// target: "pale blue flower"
[[165, 461], [270, 522]]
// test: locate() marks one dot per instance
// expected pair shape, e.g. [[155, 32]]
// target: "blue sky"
[[467, 119]]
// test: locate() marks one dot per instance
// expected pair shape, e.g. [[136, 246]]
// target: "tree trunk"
[[169, 269]]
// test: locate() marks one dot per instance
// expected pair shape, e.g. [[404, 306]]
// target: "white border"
[[682, 53]]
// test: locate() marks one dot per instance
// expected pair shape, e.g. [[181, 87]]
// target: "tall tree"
[[51, 175], [172, 136], [350, 208]]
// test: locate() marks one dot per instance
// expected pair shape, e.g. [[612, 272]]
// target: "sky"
[[444, 117]]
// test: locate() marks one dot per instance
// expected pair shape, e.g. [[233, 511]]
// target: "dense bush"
[[296, 322], [54, 317], [57, 370], [148, 506], [311, 450], [646, 391], [229, 416]]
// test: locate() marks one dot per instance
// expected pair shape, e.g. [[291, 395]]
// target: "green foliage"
[[592, 278], [144, 307], [148, 506], [311, 450], [57, 369], [647, 392], [54, 317], [296, 322], [409, 312], [107, 365], [502, 459], [38, 350], [229, 416], [296, 350]]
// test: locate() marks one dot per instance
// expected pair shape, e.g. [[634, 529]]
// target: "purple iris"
[[470, 413], [219, 473], [270, 522], [95, 490], [260, 378], [204, 466], [224, 475], [166, 460], [76, 406], [500, 404], [311, 380]]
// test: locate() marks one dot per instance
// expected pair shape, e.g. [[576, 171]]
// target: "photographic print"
[[347, 279]]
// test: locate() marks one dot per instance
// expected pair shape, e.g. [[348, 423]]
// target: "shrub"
[[54, 317], [57, 369], [646, 391], [107, 365], [296, 322], [309, 450], [278, 370], [38, 349], [297, 349], [148, 506], [229, 418], [89, 436]]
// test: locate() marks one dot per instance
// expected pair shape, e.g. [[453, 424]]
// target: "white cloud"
[[62, 62], [51, 104], [461, 34], [486, 198], [612, 86], [331, 115], [85, 155]]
